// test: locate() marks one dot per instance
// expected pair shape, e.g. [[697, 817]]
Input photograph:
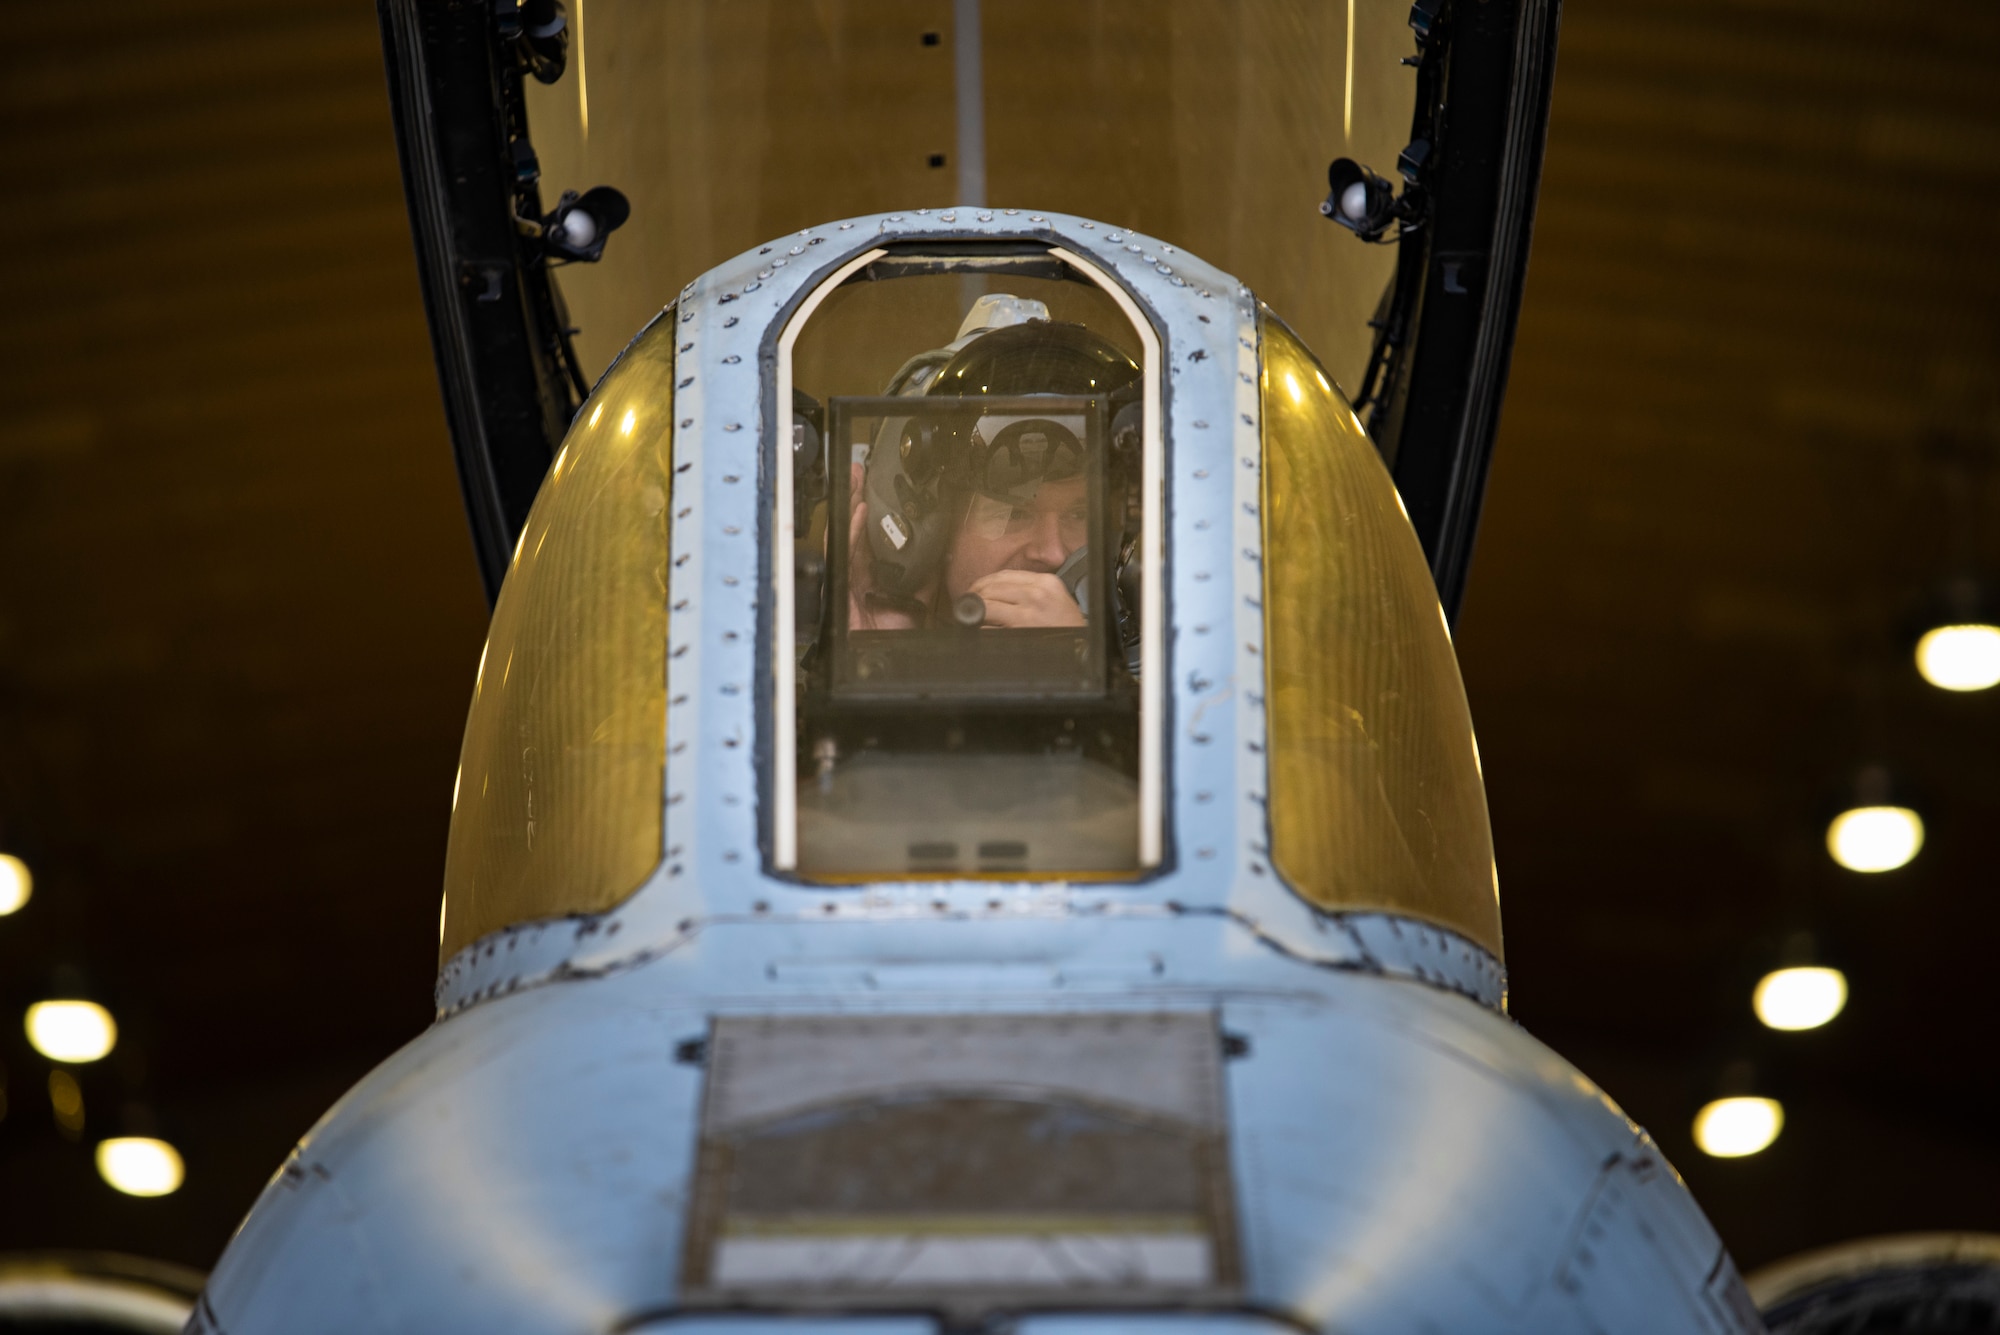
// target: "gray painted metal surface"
[[1402, 1157]]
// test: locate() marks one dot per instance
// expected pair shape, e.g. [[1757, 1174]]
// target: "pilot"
[[1007, 552], [991, 528]]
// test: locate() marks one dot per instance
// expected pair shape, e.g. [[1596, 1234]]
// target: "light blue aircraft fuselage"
[[1307, 1120]]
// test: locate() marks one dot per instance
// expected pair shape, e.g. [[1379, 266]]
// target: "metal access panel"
[[963, 1161]]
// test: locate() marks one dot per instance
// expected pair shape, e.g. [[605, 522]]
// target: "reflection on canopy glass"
[[967, 575]]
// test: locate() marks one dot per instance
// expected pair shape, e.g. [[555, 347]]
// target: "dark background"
[[1752, 423]]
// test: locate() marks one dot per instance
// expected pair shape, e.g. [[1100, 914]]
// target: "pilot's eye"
[[991, 519]]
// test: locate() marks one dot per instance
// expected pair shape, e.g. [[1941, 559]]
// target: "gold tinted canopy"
[[557, 804], [728, 122], [1375, 794]]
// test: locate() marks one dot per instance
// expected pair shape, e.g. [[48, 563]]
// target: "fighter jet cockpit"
[[1026, 545], [968, 818]]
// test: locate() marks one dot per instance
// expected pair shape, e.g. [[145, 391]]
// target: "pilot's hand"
[[861, 572], [1017, 598]]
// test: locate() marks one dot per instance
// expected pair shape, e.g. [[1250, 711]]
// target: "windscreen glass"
[[969, 462]]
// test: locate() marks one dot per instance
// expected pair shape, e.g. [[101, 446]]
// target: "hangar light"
[[71, 1031], [1735, 1127], [1960, 658], [1875, 838], [140, 1165], [1804, 997], [15, 883]]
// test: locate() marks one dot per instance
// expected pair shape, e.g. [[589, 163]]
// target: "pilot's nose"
[[1046, 548]]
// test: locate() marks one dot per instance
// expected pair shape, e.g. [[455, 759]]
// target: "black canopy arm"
[[497, 326], [1446, 333]]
